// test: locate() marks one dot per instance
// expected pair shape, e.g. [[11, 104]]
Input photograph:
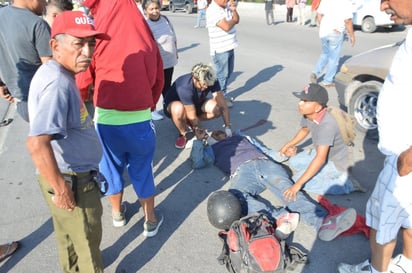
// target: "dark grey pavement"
[[271, 62]]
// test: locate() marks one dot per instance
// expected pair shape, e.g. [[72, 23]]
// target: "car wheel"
[[368, 25], [189, 9], [172, 7], [362, 105]]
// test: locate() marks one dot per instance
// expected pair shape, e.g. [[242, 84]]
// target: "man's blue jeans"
[[201, 13], [255, 176], [224, 64], [331, 48], [329, 180]]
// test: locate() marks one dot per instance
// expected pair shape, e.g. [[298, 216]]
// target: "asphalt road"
[[271, 62]]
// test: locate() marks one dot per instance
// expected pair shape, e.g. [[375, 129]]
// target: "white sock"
[[373, 270]]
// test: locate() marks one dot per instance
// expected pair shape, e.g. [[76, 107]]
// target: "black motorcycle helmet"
[[223, 208]]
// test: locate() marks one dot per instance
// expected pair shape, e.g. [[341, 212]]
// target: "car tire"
[[362, 106], [189, 9], [172, 7], [368, 25]]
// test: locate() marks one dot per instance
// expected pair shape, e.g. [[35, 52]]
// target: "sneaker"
[[327, 84], [286, 224], [196, 26], [359, 268], [336, 224], [119, 218], [397, 265], [229, 101], [313, 78], [150, 229], [180, 142], [157, 116]]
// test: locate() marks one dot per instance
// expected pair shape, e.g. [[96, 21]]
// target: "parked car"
[[164, 4], [359, 82], [189, 6], [367, 15]]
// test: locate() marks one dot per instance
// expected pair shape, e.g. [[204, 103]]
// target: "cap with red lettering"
[[77, 24]]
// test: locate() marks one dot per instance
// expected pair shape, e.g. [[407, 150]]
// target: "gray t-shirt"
[[327, 134], [55, 108], [24, 39]]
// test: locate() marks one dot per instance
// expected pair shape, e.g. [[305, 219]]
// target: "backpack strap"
[[346, 124], [223, 258], [294, 255]]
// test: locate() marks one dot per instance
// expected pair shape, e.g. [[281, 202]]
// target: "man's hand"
[[64, 200], [200, 133], [288, 151], [404, 163], [290, 193], [5, 94]]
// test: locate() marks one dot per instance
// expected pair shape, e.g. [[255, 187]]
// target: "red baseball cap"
[[77, 24]]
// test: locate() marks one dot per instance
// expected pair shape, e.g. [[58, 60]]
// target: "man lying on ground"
[[253, 169]]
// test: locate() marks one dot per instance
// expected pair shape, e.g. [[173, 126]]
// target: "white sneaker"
[[397, 265], [286, 224], [119, 218], [359, 268], [156, 116]]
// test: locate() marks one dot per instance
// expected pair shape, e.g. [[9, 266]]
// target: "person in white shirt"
[[201, 11], [335, 17], [389, 208], [221, 19]]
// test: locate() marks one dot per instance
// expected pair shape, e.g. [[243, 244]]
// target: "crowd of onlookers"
[[59, 56]]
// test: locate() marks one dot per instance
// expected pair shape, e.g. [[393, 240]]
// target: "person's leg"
[[221, 61], [323, 58], [76, 248], [231, 64], [141, 147], [407, 242], [380, 254], [335, 48], [168, 74], [199, 18], [313, 17], [210, 110], [178, 114], [277, 180], [246, 186], [112, 164], [22, 109], [272, 16]]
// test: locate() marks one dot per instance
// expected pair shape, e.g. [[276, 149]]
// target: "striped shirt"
[[220, 41]]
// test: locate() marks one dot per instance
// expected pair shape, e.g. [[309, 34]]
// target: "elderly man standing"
[[24, 46], [127, 85], [335, 18], [389, 208], [64, 145], [221, 18]]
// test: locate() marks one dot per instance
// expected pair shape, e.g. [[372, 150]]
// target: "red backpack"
[[251, 246]]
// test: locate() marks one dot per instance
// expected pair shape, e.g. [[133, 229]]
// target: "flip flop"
[[8, 249]]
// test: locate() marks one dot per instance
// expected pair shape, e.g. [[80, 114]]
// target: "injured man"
[[253, 169]]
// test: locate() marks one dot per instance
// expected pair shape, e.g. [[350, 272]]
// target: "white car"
[[367, 15]]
